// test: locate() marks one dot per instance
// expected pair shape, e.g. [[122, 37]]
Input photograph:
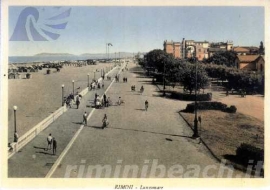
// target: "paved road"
[[136, 141], [33, 160]]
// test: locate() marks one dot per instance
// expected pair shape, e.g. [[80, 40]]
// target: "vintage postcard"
[[134, 94]]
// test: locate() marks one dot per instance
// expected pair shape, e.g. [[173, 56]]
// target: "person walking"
[[85, 118], [91, 86], [142, 89], [105, 100], [16, 137], [146, 105], [54, 144], [105, 121], [119, 101], [108, 102], [49, 140], [78, 101]]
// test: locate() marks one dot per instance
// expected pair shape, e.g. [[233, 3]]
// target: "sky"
[[130, 29]]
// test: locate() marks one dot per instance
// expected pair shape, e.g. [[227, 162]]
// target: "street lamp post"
[[109, 44], [73, 86], [195, 134], [88, 84], [15, 127], [164, 79], [63, 94], [106, 50]]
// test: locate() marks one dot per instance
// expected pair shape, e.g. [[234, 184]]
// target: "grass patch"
[[224, 132]]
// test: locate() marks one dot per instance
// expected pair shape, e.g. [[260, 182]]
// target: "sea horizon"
[[34, 58], [30, 59]]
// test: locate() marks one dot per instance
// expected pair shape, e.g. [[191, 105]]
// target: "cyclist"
[[146, 105]]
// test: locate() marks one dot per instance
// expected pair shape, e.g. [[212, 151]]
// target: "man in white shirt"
[[49, 140], [85, 118]]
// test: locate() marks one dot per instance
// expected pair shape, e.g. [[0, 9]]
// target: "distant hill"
[[111, 55], [90, 55], [54, 54]]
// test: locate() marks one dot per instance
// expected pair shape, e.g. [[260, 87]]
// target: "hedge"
[[237, 79], [191, 97], [248, 152], [210, 106]]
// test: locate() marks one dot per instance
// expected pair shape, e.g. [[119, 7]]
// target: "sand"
[[38, 97]]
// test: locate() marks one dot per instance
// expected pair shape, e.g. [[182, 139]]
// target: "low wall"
[[27, 137], [32, 133]]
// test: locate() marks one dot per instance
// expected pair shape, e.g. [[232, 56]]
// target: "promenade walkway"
[[135, 138], [139, 143], [33, 160]]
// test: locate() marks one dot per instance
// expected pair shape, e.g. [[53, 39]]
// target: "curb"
[[212, 153]]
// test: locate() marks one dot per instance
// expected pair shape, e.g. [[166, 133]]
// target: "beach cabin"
[[28, 76], [14, 76]]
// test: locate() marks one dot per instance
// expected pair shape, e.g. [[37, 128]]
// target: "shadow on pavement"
[[142, 76], [78, 123], [151, 132], [40, 147], [96, 127], [140, 109], [40, 152], [145, 82]]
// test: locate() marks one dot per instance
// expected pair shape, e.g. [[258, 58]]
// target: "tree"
[[226, 58], [188, 78], [157, 58], [261, 49], [141, 62]]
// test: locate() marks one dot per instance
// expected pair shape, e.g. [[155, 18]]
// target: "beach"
[[39, 96]]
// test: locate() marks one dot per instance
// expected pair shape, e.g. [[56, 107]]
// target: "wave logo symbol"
[[33, 26]]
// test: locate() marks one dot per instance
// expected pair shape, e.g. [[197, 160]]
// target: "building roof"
[[201, 42], [251, 47], [216, 49], [168, 42], [240, 49], [247, 58]]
